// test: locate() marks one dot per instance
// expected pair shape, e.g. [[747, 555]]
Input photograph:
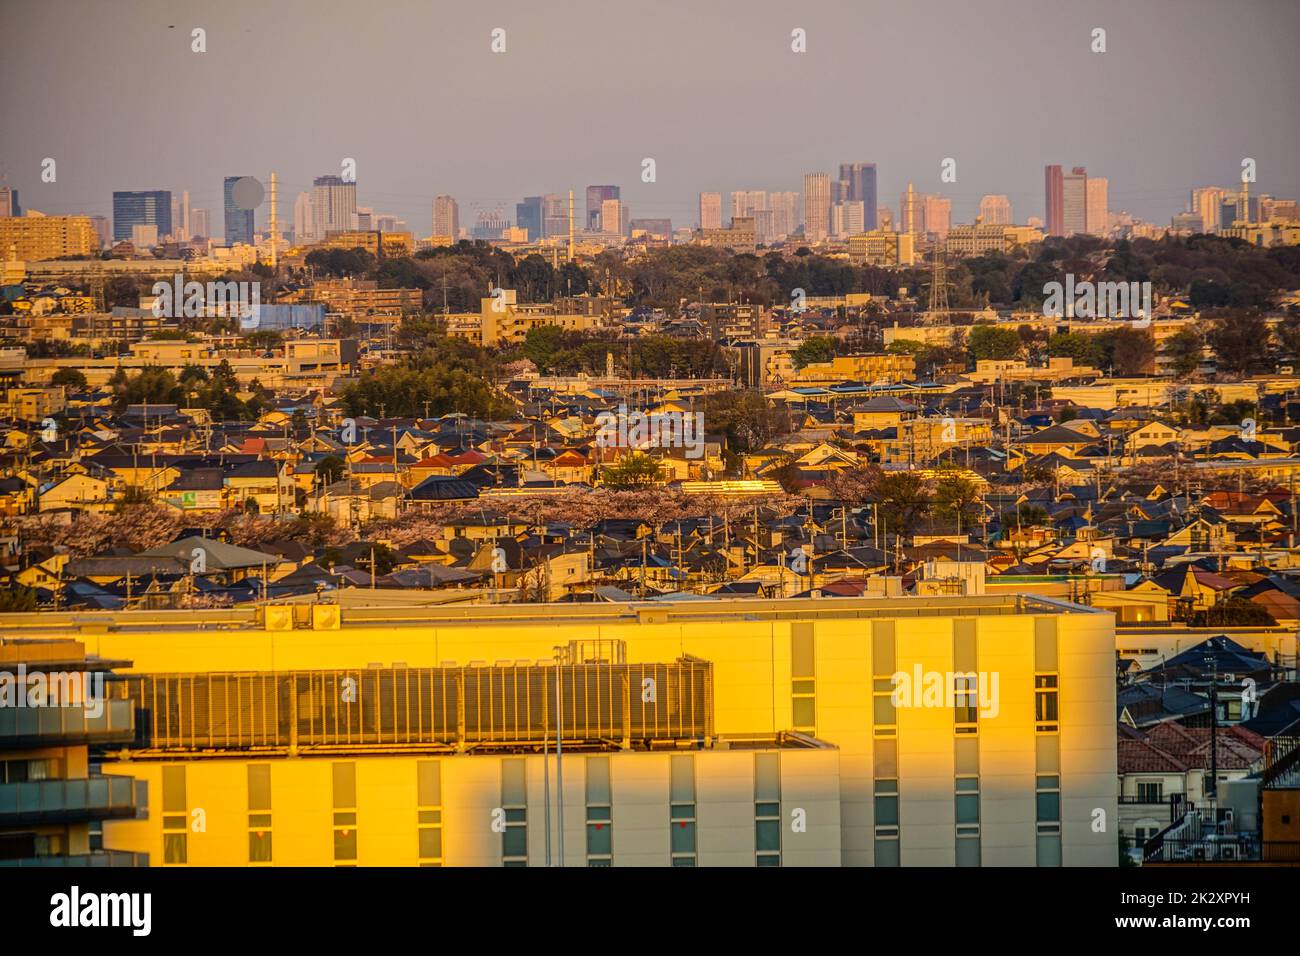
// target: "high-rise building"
[[747, 202], [141, 208], [1074, 202], [200, 224], [710, 210], [848, 218], [239, 222], [555, 215], [596, 196], [103, 231], [816, 206], [995, 211], [937, 211], [9, 202], [911, 218], [333, 203], [303, 230], [785, 214], [615, 217], [446, 218], [363, 218], [860, 180], [1055, 201], [528, 215], [34, 237], [1207, 202], [1098, 206]]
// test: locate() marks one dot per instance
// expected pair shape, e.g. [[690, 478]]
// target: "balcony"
[[101, 858], [63, 726], [72, 801]]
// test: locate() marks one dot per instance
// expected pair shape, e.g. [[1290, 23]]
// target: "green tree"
[[632, 472], [329, 469], [1184, 352], [819, 348], [956, 498], [993, 342], [69, 377]]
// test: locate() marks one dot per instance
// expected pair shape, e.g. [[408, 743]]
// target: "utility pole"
[[559, 735]]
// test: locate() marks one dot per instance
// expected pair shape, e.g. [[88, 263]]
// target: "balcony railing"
[[1240, 848], [62, 726], [63, 801], [114, 858]]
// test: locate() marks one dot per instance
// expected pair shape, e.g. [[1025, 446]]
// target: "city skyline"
[[1133, 88]]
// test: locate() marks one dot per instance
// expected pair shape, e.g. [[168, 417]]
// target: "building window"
[[176, 816], [1150, 791], [966, 677], [514, 801], [600, 813], [1046, 719], [345, 813], [259, 813], [681, 811], [429, 812], [767, 809], [803, 688]]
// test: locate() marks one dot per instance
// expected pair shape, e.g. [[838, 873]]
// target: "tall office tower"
[[303, 231], [861, 179], [555, 216], [1098, 206], [745, 203], [185, 217], [884, 219], [816, 206], [710, 210], [615, 217], [239, 222], [201, 224], [1055, 196], [141, 208], [1206, 202], [446, 218], [332, 204], [995, 211], [911, 218], [9, 202], [938, 216], [176, 217], [596, 195], [528, 215], [1074, 202], [848, 218], [363, 219], [785, 213]]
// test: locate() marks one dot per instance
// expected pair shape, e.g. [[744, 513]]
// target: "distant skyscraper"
[[142, 208], [911, 219], [744, 204], [200, 224], [103, 230], [816, 206], [332, 204], [1207, 202], [303, 230], [614, 217], [995, 211], [1098, 206], [1074, 202], [938, 215], [710, 210], [555, 215], [596, 195], [1055, 197], [446, 218], [239, 222], [9, 202], [861, 180], [528, 215], [363, 219], [785, 213], [848, 218]]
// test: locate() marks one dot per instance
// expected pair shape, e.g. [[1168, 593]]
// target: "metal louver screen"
[[454, 706]]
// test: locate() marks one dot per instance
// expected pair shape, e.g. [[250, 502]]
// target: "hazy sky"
[[587, 88]]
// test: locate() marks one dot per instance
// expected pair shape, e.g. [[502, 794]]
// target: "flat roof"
[[645, 612]]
